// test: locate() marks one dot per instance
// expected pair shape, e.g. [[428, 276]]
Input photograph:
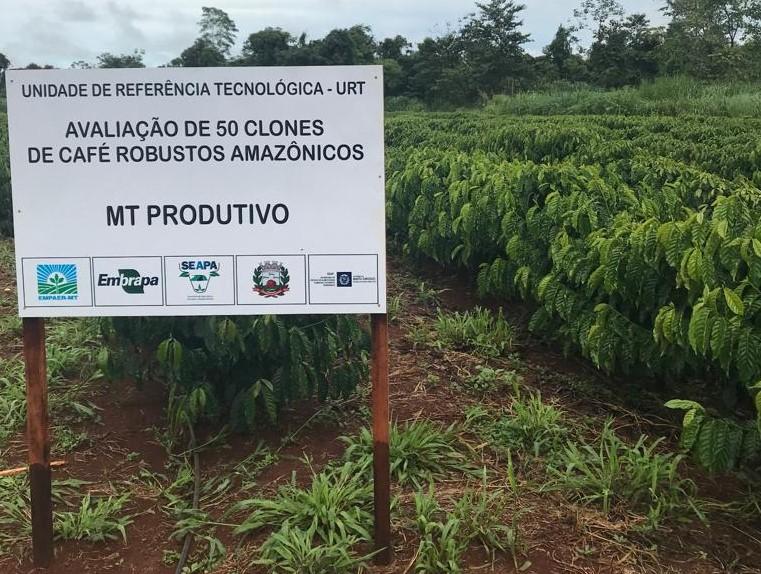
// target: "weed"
[[419, 334], [482, 515], [420, 452], [613, 472], [96, 520], [530, 425], [428, 295], [15, 513], [479, 331], [67, 440], [441, 543], [488, 380], [337, 505], [12, 398], [394, 307], [251, 466], [293, 550], [432, 380], [10, 325]]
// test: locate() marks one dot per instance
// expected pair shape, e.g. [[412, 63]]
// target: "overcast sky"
[[59, 32]]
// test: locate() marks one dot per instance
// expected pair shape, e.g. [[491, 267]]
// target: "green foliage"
[[6, 209], [293, 551], [530, 425], [242, 369], [478, 330], [636, 240], [481, 514], [664, 96], [420, 452], [477, 517], [718, 444], [335, 507], [613, 472], [441, 544], [96, 520], [489, 380]]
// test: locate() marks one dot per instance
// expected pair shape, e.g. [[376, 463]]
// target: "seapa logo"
[[129, 280], [271, 279], [344, 279], [199, 273], [57, 282]]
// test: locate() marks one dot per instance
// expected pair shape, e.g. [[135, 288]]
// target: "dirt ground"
[[558, 536]]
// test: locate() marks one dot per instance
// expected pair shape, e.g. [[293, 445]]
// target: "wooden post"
[[381, 467], [39, 444]]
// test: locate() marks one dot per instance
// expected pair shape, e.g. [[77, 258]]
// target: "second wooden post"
[[381, 466]]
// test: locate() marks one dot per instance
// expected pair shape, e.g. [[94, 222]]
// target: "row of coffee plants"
[[652, 268], [729, 148]]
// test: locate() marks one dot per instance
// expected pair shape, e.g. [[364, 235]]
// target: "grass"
[[420, 452], [479, 331], [611, 473], [96, 520], [337, 505], [486, 380], [667, 96], [530, 424], [478, 517], [441, 543], [292, 550], [482, 513], [72, 346]]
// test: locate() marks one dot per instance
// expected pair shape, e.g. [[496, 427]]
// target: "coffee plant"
[[241, 369], [630, 251]]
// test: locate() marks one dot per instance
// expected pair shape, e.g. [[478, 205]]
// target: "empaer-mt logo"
[[129, 280], [57, 282], [199, 273]]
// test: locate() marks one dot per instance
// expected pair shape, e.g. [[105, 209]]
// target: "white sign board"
[[198, 191]]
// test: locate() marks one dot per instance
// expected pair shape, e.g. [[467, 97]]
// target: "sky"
[[59, 32]]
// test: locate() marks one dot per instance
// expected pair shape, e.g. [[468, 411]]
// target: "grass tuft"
[[420, 452], [337, 505], [479, 331]]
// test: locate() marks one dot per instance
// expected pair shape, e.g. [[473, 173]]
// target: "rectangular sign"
[[198, 191]]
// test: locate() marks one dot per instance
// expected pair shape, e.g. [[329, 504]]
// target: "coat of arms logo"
[[271, 279]]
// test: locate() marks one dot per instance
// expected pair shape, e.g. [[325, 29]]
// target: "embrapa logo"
[[129, 280], [57, 282], [199, 273], [271, 279]]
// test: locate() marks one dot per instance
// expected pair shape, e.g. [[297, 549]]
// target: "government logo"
[[129, 280], [199, 273], [344, 279], [57, 282], [271, 279]]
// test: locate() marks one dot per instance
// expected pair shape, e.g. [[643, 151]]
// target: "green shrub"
[[239, 369]]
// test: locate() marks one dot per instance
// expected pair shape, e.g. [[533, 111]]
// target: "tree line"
[[484, 55]]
